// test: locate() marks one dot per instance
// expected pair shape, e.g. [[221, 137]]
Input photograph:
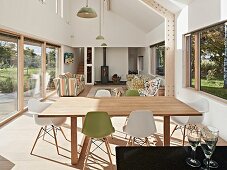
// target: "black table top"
[[164, 158]]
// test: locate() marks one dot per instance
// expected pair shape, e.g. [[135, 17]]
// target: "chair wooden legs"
[[147, 141], [175, 128], [184, 129], [45, 128], [132, 140], [36, 139], [89, 147], [109, 146], [184, 135], [87, 152], [63, 134], [129, 140], [108, 150], [55, 139]]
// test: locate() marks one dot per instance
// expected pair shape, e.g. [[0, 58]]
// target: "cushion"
[[63, 76], [69, 75]]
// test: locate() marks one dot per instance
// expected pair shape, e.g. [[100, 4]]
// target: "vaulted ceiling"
[[140, 15], [137, 13]]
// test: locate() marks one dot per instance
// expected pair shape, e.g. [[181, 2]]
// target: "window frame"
[[186, 62], [20, 70]]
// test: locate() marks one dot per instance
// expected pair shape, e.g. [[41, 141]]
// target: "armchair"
[[69, 85]]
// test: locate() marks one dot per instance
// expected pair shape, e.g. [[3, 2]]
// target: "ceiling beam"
[[169, 45]]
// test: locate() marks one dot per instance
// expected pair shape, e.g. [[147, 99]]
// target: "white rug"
[[107, 87]]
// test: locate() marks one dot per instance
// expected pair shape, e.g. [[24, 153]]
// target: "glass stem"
[[193, 149], [208, 163]]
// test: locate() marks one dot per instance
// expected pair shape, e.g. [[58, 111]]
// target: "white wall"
[[116, 59], [72, 68], [189, 19], [132, 58], [145, 52], [157, 35], [117, 31], [36, 19]]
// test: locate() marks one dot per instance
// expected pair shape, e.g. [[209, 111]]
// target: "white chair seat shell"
[[140, 124], [201, 105], [103, 93]]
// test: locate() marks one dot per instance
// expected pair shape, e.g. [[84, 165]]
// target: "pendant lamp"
[[103, 44], [86, 12], [100, 37]]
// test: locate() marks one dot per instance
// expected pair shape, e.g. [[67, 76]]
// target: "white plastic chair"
[[103, 93], [201, 105], [35, 107], [140, 124]]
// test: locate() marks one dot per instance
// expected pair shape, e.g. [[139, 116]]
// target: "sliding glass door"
[[8, 75], [27, 69], [51, 67], [32, 70]]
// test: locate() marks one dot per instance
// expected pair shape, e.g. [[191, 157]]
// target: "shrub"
[[210, 75], [7, 86]]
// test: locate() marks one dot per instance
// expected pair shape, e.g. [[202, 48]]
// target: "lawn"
[[214, 87], [8, 78]]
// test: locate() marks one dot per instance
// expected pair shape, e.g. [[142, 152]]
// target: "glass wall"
[[32, 70], [51, 67], [37, 75], [8, 75]]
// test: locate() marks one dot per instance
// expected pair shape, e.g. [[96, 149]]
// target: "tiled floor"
[[17, 138]]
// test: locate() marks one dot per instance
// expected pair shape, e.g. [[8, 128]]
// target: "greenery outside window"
[[8, 75], [51, 66], [208, 60], [160, 58], [32, 70]]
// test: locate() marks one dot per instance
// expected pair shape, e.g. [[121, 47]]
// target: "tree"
[[31, 58], [225, 59], [212, 45], [8, 54]]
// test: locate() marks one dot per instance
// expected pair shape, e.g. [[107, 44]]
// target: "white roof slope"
[[140, 15], [137, 13]]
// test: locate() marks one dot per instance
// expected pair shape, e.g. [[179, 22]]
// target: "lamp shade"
[[86, 12], [103, 44], [99, 37]]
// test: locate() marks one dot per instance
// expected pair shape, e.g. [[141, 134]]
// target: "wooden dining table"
[[75, 107]]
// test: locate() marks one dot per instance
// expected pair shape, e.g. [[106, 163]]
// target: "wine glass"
[[194, 137], [208, 144]]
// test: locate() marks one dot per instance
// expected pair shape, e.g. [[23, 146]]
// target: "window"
[[8, 75], [191, 50], [23, 73], [160, 58], [51, 67], [32, 69], [208, 60]]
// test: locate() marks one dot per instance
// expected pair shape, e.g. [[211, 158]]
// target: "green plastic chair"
[[132, 93], [97, 125]]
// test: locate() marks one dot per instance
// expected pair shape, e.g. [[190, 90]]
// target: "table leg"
[[74, 154], [166, 129]]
